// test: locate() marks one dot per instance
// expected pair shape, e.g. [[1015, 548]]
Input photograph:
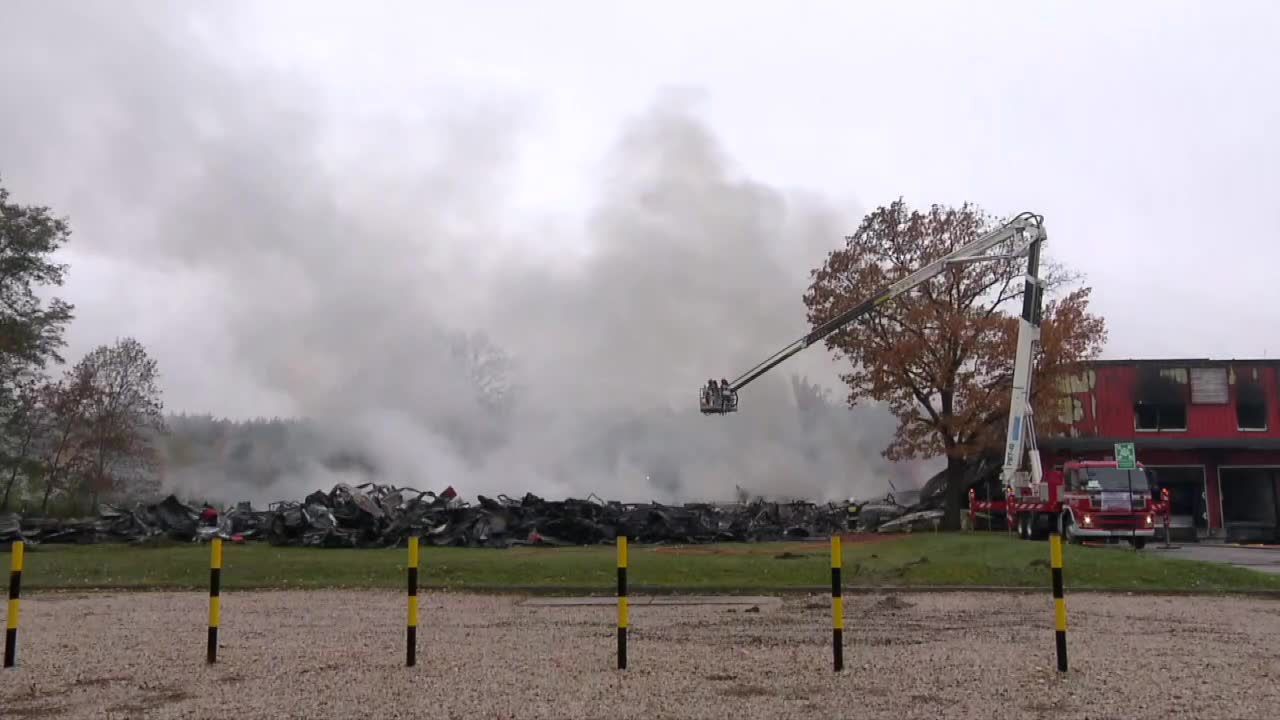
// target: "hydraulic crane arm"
[[1026, 231], [1020, 435]]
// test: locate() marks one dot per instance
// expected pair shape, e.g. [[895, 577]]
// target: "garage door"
[[1249, 503]]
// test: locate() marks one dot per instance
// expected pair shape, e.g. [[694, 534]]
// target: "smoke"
[[376, 278]]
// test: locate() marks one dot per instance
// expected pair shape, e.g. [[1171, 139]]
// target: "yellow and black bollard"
[[1059, 604], [624, 614], [215, 597], [15, 589], [837, 605], [411, 639]]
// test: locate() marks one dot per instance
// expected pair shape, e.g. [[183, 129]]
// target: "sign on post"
[[1126, 457]]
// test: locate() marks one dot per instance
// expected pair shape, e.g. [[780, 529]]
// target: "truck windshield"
[[1115, 479]]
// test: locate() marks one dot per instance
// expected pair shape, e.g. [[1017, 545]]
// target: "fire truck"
[[1085, 500], [1082, 499]]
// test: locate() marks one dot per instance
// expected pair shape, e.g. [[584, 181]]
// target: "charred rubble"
[[169, 519], [372, 515]]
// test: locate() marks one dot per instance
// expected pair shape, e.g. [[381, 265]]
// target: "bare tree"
[[64, 402], [812, 401], [488, 369], [122, 415]]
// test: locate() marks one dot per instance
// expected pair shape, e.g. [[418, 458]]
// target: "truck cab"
[[1100, 500]]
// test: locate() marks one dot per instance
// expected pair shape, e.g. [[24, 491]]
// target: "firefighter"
[[854, 512]]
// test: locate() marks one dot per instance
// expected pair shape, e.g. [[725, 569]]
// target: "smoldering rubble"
[[372, 515]]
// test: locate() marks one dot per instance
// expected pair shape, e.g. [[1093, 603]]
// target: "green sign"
[[1126, 457]]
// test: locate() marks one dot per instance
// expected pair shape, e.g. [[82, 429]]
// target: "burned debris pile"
[[169, 519], [380, 515], [373, 515]]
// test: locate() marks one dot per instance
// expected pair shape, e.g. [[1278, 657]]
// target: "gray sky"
[[284, 200]]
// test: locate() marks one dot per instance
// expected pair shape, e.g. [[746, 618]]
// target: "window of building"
[[1161, 399], [1209, 386], [1251, 402], [1151, 416]]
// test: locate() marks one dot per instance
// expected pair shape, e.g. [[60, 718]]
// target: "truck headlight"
[[1088, 520], [1149, 520]]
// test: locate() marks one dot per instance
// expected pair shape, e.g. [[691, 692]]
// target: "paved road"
[[1262, 559]]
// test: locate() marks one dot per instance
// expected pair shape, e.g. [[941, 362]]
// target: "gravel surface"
[[341, 655]]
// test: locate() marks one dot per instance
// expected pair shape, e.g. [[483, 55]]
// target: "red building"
[[1210, 429]]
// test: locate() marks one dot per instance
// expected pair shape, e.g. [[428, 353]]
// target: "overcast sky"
[[1144, 132]]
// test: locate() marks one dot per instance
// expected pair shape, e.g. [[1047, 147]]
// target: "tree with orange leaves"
[[941, 357]]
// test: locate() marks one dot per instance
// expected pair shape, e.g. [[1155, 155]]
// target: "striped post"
[[837, 605], [624, 613], [15, 588], [411, 640], [1059, 604], [215, 597]]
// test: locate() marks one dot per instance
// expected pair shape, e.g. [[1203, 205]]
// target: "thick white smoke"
[[362, 276]]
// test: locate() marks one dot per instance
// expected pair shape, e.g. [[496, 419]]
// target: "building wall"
[[1102, 402], [1101, 407]]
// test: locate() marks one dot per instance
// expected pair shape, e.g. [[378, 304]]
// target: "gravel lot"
[[340, 655]]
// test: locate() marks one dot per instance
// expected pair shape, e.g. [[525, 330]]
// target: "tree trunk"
[[13, 478], [954, 494], [48, 490], [13, 475], [8, 488]]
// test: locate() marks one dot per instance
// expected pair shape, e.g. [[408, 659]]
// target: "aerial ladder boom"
[[1025, 233], [1020, 435]]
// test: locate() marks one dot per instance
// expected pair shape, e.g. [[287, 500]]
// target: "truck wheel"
[[1139, 543], [1034, 531], [1022, 527]]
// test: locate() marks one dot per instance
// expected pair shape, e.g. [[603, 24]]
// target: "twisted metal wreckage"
[[373, 515]]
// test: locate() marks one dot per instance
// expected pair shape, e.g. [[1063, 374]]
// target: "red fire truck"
[[1086, 500]]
